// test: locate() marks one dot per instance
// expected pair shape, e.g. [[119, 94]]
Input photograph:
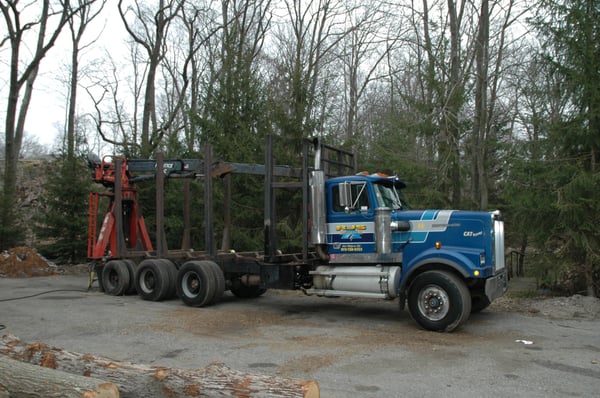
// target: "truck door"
[[350, 225]]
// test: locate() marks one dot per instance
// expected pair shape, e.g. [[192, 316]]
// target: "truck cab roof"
[[373, 178]]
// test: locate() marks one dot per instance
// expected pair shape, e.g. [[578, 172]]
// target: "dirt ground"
[[519, 347], [23, 262], [572, 307]]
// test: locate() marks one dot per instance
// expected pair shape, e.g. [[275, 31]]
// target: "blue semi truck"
[[360, 239]]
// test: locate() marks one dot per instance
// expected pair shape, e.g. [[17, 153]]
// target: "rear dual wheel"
[[172, 270], [115, 278], [155, 279], [131, 267], [118, 277], [200, 283]]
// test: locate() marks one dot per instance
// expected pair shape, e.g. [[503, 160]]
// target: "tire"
[[152, 280], [479, 303], [131, 267], [218, 280], [115, 278], [196, 283], [98, 270], [439, 301], [172, 270], [242, 291]]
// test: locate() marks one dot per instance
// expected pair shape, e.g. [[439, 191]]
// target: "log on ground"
[[138, 380], [24, 380]]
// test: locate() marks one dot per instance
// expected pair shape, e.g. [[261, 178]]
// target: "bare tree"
[[113, 122], [454, 101], [48, 20], [187, 66], [441, 63], [491, 47], [233, 117], [32, 148], [150, 31], [459, 50], [481, 104], [83, 15], [305, 47], [366, 46]]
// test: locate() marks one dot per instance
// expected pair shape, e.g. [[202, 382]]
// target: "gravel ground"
[[352, 347]]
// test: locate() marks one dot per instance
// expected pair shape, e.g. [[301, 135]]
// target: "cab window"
[[359, 198], [387, 196]]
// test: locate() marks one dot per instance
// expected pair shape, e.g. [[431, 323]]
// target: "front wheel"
[[439, 301]]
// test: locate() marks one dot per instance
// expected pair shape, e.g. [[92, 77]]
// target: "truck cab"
[[444, 263]]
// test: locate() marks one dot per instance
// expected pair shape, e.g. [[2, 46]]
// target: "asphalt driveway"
[[352, 347]]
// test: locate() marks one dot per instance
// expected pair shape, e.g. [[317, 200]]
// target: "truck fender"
[[448, 260]]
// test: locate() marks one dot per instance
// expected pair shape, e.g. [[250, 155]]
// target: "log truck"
[[359, 239]]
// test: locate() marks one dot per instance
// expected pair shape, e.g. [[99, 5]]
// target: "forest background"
[[474, 104]]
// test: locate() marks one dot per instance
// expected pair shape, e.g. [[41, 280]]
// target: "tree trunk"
[[23, 380], [20, 88], [134, 380], [450, 146], [479, 137]]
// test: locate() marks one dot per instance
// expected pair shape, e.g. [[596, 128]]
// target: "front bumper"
[[496, 286]]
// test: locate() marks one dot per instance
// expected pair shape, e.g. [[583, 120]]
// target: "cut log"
[[23, 380], [136, 380]]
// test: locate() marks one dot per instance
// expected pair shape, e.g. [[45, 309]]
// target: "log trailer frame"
[[359, 239]]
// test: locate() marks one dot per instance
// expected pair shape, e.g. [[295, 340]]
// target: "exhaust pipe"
[[318, 227], [317, 149]]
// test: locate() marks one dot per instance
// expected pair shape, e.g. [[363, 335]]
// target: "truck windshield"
[[387, 196]]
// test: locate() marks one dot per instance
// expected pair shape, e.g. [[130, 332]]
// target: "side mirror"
[[345, 195]]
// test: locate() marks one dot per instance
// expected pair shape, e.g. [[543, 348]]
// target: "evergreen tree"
[[571, 35], [63, 225]]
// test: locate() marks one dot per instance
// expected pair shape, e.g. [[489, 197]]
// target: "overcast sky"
[[46, 116]]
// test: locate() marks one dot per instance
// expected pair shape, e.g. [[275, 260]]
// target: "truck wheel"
[[242, 291], [196, 283], [131, 267], [115, 278], [152, 280], [172, 271], [219, 280], [98, 270], [439, 301]]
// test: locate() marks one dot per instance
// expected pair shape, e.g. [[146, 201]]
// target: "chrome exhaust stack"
[[316, 181]]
